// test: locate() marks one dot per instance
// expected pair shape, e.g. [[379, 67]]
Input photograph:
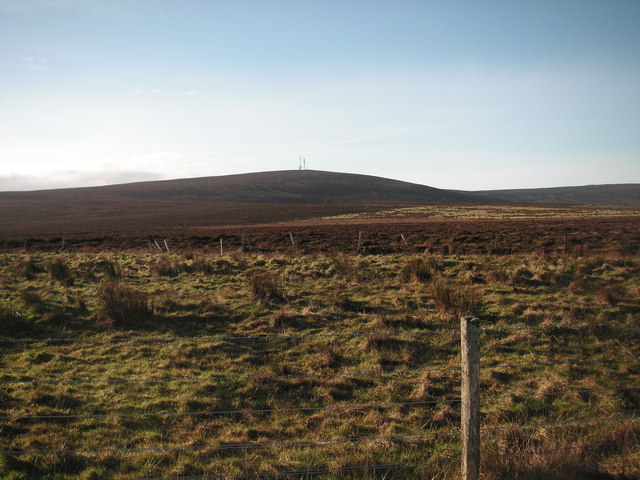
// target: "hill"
[[289, 186], [233, 199], [620, 194], [255, 198]]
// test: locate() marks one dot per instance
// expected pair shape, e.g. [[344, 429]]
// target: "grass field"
[[191, 365]]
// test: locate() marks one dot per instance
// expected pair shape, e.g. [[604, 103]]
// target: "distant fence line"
[[347, 240]]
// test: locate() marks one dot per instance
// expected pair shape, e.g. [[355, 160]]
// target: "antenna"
[[299, 161], [304, 163]]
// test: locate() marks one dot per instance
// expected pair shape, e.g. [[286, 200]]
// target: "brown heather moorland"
[[311, 360]]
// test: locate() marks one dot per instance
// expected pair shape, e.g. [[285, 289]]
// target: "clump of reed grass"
[[611, 294], [11, 321], [31, 268], [455, 300], [165, 266], [59, 270], [123, 306], [417, 269], [266, 288]]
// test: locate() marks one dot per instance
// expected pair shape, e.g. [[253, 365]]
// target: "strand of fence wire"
[[233, 412], [240, 446], [300, 376], [230, 338], [309, 471], [554, 363], [296, 376], [563, 423], [301, 336], [313, 443], [555, 327], [300, 409], [535, 451]]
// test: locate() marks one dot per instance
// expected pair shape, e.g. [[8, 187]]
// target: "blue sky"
[[453, 94]]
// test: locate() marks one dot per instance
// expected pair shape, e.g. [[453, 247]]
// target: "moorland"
[[300, 351]]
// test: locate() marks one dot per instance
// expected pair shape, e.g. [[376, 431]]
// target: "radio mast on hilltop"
[[302, 162]]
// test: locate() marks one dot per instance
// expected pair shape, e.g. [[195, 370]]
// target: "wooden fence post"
[[293, 242], [166, 245], [221, 252], [359, 240], [470, 398]]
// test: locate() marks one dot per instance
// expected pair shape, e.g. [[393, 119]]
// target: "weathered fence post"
[[470, 401], [221, 252], [166, 245], [293, 242], [359, 240]]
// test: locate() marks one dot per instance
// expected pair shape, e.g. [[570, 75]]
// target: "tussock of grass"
[[12, 323], [59, 270], [167, 266], [547, 455], [417, 269], [266, 288], [123, 306], [455, 300]]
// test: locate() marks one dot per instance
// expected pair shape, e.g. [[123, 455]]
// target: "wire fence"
[[307, 336], [9, 380]]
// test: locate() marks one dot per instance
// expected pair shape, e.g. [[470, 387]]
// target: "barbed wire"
[[239, 446]]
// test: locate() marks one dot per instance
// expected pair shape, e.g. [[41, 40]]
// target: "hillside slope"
[[254, 198], [290, 186], [620, 194], [234, 199]]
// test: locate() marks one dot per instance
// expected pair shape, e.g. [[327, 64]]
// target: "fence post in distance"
[[470, 397]]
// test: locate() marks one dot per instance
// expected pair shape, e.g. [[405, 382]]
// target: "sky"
[[472, 95]]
